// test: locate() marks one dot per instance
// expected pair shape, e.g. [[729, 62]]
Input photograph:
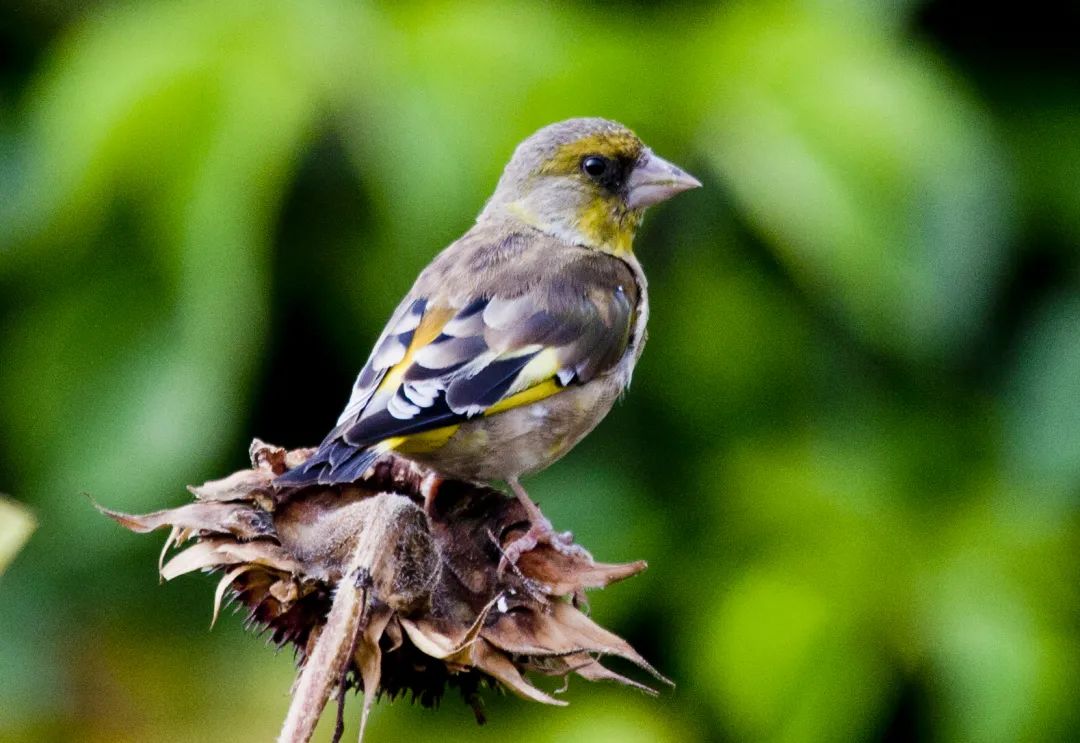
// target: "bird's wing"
[[446, 357], [397, 338], [447, 364]]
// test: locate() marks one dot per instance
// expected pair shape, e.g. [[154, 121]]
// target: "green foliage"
[[851, 453]]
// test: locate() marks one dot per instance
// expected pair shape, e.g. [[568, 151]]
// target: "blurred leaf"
[[1042, 414], [801, 642], [791, 666], [1046, 137], [16, 526], [846, 579], [132, 95], [866, 167], [135, 381], [757, 339], [989, 617]]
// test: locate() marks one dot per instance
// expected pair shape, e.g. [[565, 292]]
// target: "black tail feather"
[[353, 467], [335, 462]]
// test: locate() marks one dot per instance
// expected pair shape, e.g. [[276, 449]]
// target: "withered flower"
[[392, 584]]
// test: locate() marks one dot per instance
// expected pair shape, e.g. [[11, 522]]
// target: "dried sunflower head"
[[391, 584]]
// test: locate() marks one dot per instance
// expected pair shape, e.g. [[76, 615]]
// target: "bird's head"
[[587, 181]]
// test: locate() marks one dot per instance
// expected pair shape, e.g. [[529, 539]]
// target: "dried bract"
[[392, 584]]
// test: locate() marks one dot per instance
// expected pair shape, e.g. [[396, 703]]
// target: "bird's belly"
[[521, 440]]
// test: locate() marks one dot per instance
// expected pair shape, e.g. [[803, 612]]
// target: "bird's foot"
[[540, 533]]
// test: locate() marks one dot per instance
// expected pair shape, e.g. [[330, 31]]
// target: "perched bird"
[[517, 339]]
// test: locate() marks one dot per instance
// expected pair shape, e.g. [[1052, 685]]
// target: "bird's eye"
[[594, 165]]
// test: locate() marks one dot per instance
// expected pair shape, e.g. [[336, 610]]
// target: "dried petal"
[[593, 670], [238, 519], [176, 536], [439, 639], [488, 659], [561, 574], [223, 585], [220, 551], [237, 486], [267, 458], [588, 633]]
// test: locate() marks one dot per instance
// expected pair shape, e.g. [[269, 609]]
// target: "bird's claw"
[[538, 534], [512, 552]]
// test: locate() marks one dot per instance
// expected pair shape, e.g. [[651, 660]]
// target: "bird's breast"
[[639, 332], [530, 437]]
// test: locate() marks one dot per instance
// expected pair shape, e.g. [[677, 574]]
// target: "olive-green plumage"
[[517, 339]]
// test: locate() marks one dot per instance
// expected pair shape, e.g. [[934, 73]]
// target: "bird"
[[518, 338]]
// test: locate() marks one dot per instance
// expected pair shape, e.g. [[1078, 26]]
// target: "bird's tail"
[[333, 463]]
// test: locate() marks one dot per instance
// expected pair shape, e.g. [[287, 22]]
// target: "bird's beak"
[[654, 179]]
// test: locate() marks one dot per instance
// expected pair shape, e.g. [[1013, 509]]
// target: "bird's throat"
[[607, 228], [597, 226]]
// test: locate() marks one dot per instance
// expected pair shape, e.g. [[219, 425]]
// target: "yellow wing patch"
[[531, 395], [423, 442], [536, 381], [427, 331]]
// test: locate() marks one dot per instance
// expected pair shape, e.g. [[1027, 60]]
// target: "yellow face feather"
[[603, 220], [568, 157], [609, 226]]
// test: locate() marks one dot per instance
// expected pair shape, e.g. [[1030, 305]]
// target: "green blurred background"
[[851, 453]]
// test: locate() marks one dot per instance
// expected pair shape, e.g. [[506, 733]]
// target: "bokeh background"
[[851, 453]]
